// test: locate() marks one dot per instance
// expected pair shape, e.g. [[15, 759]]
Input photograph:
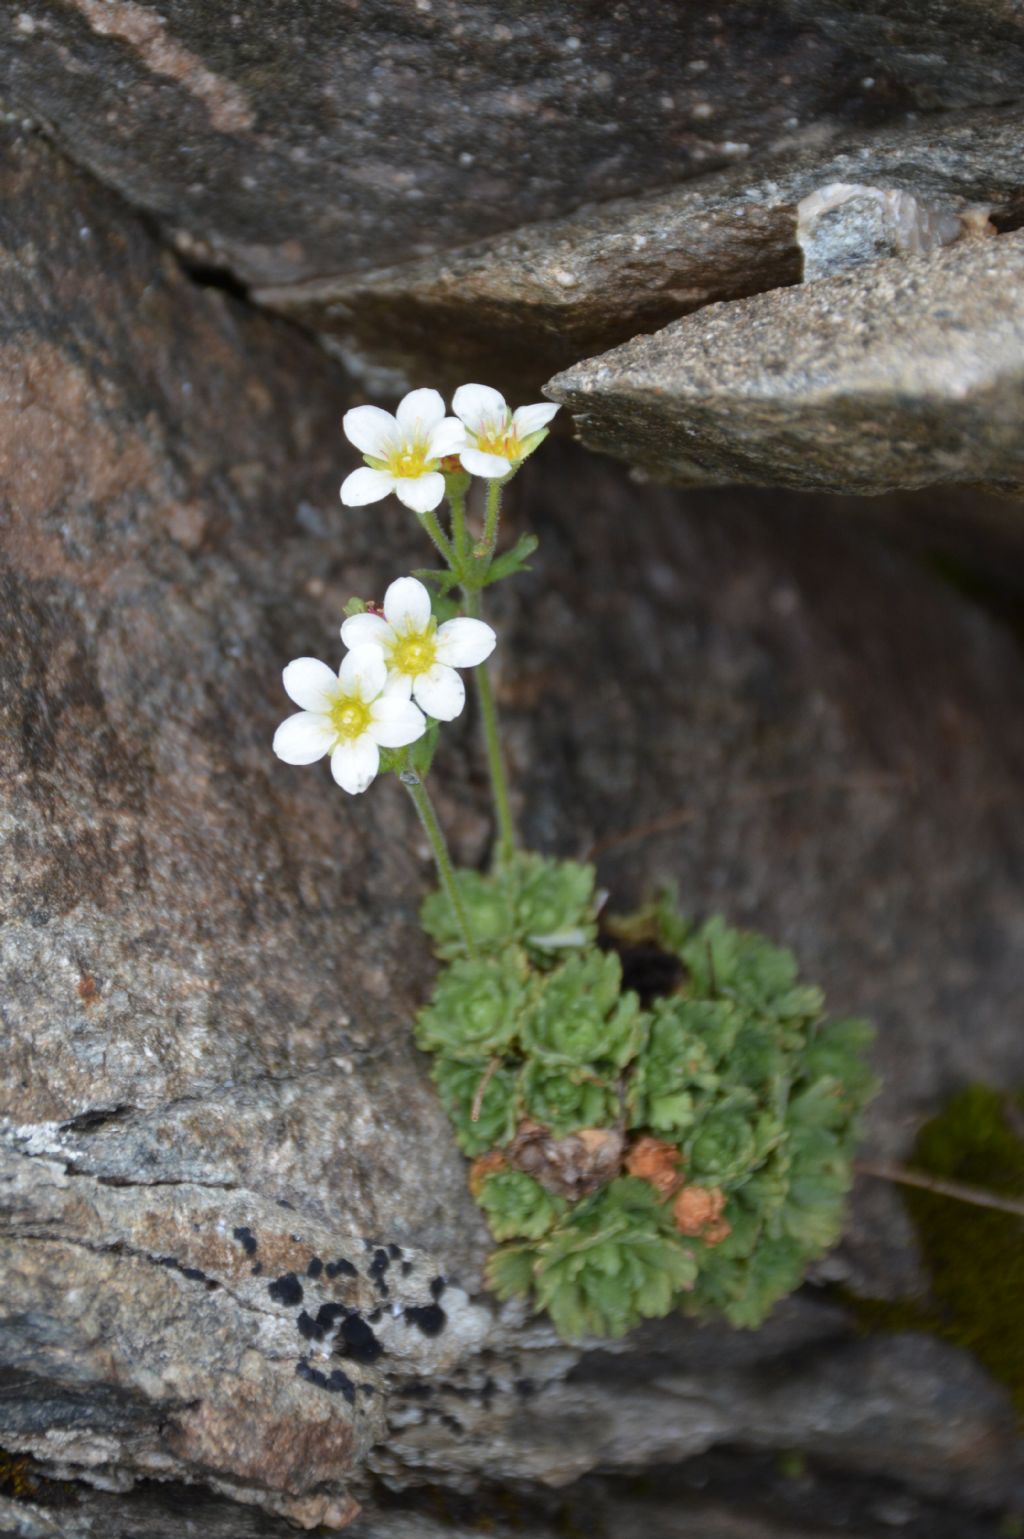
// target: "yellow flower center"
[[350, 717], [410, 460], [414, 653], [499, 438]]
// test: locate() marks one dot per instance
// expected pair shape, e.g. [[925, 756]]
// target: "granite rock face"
[[946, 53], [214, 1126], [903, 373], [296, 141], [519, 307]]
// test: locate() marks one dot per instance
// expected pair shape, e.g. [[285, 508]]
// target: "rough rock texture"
[[945, 51], [299, 140], [519, 307], [900, 374], [209, 959]]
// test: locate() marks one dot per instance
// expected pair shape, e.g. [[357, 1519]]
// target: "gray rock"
[[517, 308], [847, 224], [210, 960], [320, 139], [906, 373], [945, 53]]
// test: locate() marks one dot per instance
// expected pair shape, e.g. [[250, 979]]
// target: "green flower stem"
[[429, 523], [492, 742], [457, 500], [445, 870], [485, 550], [495, 763]]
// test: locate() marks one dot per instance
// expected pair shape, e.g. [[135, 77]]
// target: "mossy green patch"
[[974, 1255]]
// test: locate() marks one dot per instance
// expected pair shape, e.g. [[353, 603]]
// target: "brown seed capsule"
[[483, 1166], [572, 1166], [657, 1161], [715, 1233], [696, 1208]]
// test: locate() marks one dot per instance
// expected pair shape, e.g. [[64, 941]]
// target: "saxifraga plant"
[[692, 1153]]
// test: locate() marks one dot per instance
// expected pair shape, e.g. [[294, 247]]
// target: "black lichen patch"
[[191, 1272], [437, 1287], [308, 1327], [257, 1270], [406, 1268], [341, 1268], [374, 1317], [286, 1290], [378, 1266], [315, 1267], [246, 1239], [328, 1315], [429, 1318], [358, 1341], [394, 1251], [335, 1383]]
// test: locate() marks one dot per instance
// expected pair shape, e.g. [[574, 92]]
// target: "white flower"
[[346, 714], [497, 439], [421, 656], [402, 452]]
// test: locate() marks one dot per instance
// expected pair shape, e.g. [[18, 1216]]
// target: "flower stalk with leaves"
[[693, 1152]]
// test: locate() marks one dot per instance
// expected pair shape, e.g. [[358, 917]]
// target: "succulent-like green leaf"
[[509, 1270], [517, 1206], [477, 1007], [734, 964], [546, 905], [614, 1264], [578, 1019], [566, 1100], [459, 1086], [675, 1073]]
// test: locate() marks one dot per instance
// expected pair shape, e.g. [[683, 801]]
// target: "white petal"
[[463, 643], [354, 764], [490, 466], [407, 605], [310, 683], [366, 630], [304, 738], [530, 419], [398, 686], [447, 438], [363, 673], [366, 485], [372, 430], [419, 412], [477, 404], [421, 493], [440, 692], [395, 722]]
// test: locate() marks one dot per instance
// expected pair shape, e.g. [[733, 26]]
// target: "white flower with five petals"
[[498, 439], [347, 715], [402, 452], [421, 655]]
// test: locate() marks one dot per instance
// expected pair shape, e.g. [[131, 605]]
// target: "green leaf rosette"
[[578, 1019], [566, 1101], [674, 1074], [477, 1008], [459, 1084], [618, 1262], [518, 1207], [545, 905]]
